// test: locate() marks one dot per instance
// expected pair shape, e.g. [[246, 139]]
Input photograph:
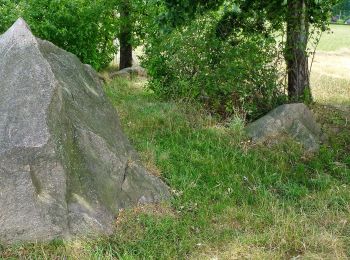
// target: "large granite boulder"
[[66, 168], [293, 120]]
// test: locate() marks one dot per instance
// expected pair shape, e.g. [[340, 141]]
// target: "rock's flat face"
[[23, 99], [295, 120], [66, 168]]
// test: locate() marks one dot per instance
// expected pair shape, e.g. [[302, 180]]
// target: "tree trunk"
[[125, 36], [296, 54]]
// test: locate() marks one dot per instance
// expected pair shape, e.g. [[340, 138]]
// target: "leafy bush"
[[84, 27], [235, 75]]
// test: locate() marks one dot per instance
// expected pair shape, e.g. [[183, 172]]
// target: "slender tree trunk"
[[296, 54], [125, 36]]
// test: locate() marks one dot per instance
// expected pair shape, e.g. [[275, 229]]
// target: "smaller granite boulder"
[[130, 72], [294, 120]]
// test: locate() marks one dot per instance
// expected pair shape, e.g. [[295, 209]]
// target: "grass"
[[230, 200], [330, 79], [337, 39]]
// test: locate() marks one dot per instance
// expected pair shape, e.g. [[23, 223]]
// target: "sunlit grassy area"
[[330, 76], [337, 39]]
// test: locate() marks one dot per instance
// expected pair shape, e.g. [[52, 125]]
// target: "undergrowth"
[[231, 199]]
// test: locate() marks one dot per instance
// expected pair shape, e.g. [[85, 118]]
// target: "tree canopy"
[[226, 54]]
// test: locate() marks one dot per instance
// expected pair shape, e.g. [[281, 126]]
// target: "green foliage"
[[9, 12], [235, 75], [83, 27], [141, 16], [273, 11], [264, 18], [342, 8]]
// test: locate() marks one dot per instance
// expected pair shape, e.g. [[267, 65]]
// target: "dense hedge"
[[234, 75]]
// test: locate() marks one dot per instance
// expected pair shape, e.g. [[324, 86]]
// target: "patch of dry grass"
[[289, 234], [330, 78]]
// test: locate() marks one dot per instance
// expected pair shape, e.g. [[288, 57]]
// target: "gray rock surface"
[[66, 168], [294, 120], [130, 72]]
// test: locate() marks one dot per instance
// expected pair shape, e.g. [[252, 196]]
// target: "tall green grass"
[[230, 199]]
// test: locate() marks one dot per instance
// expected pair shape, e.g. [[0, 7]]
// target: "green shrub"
[[235, 75], [86, 28]]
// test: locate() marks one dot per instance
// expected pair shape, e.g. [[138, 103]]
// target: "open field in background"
[[336, 39], [330, 76]]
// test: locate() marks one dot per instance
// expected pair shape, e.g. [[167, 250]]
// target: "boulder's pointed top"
[[20, 26], [19, 30]]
